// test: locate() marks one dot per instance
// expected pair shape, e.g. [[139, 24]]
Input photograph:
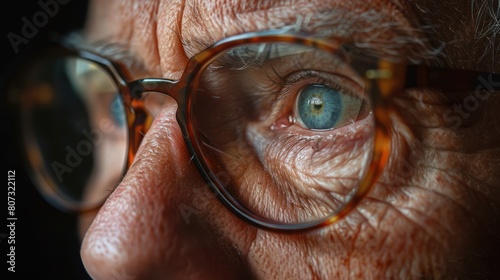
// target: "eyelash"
[[285, 86], [286, 81]]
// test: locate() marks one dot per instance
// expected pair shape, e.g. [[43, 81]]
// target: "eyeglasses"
[[289, 130]]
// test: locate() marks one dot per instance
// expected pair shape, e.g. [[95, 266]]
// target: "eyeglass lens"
[[286, 129], [75, 126]]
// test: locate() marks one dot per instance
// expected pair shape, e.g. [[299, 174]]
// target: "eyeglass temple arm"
[[450, 79]]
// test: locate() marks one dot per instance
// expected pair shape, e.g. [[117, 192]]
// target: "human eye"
[[321, 107], [320, 101], [74, 123], [290, 124], [98, 91]]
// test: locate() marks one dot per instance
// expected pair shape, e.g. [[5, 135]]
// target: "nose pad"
[[154, 102], [143, 112]]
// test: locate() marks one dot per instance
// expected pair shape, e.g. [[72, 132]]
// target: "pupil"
[[317, 103]]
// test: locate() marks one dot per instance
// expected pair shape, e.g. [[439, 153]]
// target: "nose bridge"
[[165, 86], [139, 119], [162, 207]]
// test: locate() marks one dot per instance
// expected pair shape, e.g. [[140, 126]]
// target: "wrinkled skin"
[[438, 219]]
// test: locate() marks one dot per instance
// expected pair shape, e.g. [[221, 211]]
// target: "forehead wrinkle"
[[390, 27], [126, 25], [206, 22], [149, 29]]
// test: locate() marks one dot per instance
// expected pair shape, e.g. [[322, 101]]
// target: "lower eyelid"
[[312, 162], [334, 142]]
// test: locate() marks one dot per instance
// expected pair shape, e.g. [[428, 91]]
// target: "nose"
[[157, 222]]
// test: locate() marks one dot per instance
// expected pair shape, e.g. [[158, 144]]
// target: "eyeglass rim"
[[185, 87]]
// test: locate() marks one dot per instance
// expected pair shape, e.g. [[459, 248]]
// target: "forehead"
[[163, 34], [212, 20]]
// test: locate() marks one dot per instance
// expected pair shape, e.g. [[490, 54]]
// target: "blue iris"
[[319, 106]]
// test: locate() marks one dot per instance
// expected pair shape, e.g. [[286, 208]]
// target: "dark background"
[[47, 244]]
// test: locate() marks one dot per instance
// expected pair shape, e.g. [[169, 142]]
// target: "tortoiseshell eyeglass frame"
[[384, 80]]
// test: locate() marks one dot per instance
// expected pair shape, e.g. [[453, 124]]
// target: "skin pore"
[[433, 214]]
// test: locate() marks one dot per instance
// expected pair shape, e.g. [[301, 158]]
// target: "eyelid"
[[333, 80], [266, 51]]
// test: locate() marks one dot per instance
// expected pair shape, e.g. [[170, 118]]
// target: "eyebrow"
[[110, 50]]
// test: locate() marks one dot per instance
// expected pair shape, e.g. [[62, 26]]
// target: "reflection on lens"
[[75, 133], [290, 125]]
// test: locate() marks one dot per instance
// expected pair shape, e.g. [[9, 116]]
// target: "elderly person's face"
[[438, 220]]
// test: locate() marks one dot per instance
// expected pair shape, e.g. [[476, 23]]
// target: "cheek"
[[431, 202], [295, 178]]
